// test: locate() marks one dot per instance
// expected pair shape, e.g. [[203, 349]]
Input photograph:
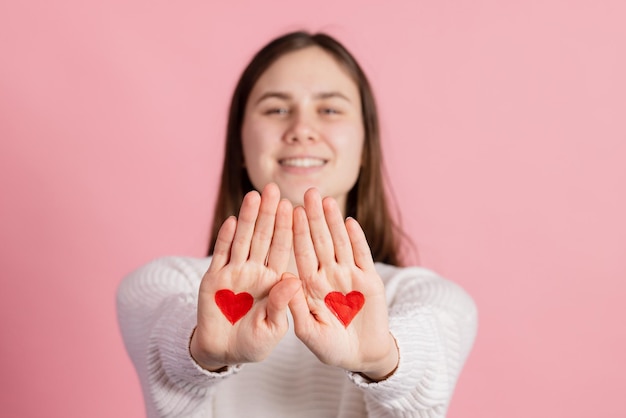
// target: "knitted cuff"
[[173, 334], [418, 342]]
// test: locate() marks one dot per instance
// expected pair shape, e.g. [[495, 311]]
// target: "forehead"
[[310, 69]]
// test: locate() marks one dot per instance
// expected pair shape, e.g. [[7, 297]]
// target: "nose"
[[301, 129]]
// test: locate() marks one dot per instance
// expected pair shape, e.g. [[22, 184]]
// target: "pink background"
[[504, 132]]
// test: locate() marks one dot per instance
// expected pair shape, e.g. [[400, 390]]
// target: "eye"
[[276, 111], [329, 111]]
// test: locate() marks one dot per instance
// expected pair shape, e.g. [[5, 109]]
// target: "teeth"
[[303, 162]]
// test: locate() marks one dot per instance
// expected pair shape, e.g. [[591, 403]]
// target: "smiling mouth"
[[302, 162]]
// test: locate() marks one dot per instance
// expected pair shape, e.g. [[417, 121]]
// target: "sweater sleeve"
[[157, 308], [434, 322]]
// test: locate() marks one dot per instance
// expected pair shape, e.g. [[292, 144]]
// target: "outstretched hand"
[[337, 302], [250, 255], [334, 256]]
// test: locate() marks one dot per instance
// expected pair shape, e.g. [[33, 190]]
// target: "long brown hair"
[[367, 200]]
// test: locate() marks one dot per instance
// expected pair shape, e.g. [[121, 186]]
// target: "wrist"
[[388, 366], [198, 355]]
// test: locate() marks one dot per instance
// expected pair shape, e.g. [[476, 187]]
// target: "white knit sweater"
[[433, 320]]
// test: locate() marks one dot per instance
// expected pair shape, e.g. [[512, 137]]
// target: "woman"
[[212, 337]]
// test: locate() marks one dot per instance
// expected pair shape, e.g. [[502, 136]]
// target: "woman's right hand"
[[250, 254]]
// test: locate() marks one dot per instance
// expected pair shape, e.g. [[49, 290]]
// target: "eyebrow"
[[287, 96]]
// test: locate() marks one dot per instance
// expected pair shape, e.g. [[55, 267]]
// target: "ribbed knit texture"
[[433, 321]]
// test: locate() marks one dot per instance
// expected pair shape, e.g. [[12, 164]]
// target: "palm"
[[333, 256], [250, 254], [243, 336], [366, 328]]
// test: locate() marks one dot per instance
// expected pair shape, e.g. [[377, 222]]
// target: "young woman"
[[302, 308]]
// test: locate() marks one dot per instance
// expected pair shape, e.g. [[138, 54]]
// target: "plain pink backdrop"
[[504, 133]]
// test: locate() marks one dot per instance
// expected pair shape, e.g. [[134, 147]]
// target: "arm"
[[157, 309], [176, 325], [434, 322]]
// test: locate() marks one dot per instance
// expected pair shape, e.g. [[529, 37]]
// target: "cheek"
[[247, 138], [349, 140], [350, 150], [258, 150], [257, 137], [252, 141]]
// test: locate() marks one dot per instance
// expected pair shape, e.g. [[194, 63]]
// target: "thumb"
[[279, 297], [300, 311]]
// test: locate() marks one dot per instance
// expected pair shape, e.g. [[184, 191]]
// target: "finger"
[[223, 242], [322, 241], [306, 260], [264, 228], [361, 249], [338, 232], [279, 297], [280, 248], [245, 227], [301, 313]]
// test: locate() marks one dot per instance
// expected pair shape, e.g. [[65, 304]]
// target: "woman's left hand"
[[333, 256]]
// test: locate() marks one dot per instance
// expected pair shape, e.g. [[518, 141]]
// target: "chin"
[[295, 198]]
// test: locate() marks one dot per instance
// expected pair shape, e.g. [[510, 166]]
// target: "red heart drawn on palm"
[[345, 307], [233, 306]]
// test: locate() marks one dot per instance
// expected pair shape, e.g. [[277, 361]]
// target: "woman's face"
[[303, 127]]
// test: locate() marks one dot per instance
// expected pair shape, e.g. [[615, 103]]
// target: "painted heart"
[[345, 307], [233, 306]]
